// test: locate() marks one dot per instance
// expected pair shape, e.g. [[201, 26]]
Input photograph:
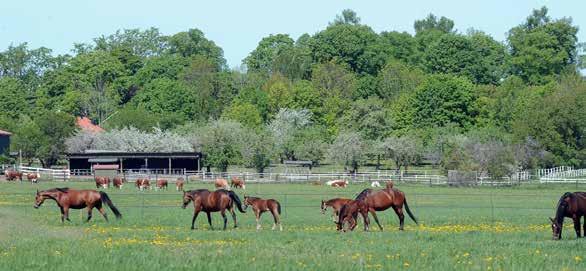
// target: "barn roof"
[[86, 124], [2, 132], [108, 166]]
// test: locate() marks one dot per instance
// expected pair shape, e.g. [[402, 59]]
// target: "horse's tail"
[[409, 212], [106, 200], [236, 199], [279, 207]]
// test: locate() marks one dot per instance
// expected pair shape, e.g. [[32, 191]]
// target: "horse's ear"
[[551, 219]]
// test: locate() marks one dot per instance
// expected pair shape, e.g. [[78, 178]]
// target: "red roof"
[[4, 133], [108, 166], [87, 125]]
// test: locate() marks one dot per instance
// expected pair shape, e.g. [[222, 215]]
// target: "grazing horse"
[[216, 201], [260, 206], [142, 184], [118, 182], [77, 199], [336, 205], [102, 182], [179, 184], [162, 184], [337, 183], [572, 205], [238, 183], [12, 175], [221, 184], [349, 213], [383, 199], [33, 177]]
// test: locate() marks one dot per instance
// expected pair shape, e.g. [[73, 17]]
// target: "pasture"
[[460, 229]]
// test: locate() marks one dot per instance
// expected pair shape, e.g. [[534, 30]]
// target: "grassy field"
[[460, 229]]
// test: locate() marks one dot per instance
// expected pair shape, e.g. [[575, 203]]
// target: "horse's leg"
[[210, 220], [576, 219], [335, 215], [584, 226], [66, 213], [399, 212], [373, 213], [195, 213], [223, 213], [103, 212], [276, 219], [62, 214], [89, 214], [257, 214], [366, 220], [233, 216]]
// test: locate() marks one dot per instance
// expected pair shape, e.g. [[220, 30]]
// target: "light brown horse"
[[238, 183], [349, 213], [12, 175], [572, 205], [336, 204], [77, 199], [33, 177], [383, 199], [118, 182], [142, 184], [162, 184], [221, 184], [260, 206], [216, 201], [102, 182], [179, 184]]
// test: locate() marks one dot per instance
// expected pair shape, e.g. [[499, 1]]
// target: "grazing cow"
[[337, 183], [118, 182], [12, 175], [102, 182], [238, 183], [142, 184], [375, 184], [179, 184], [33, 177], [162, 184], [221, 184]]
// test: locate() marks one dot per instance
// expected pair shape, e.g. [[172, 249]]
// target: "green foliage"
[[369, 117], [397, 78], [13, 100], [245, 113], [349, 150], [192, 43], [142, 119], [264, 57], [221, 141], [431, 22], [163, 95], [257, 149]]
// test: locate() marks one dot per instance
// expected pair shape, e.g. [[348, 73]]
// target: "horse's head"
[[187, 197], [39, 199], [556, 229], [324, 207], [246, 202]]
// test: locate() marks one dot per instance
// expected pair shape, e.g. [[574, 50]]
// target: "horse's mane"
[[363, 194], [253, 198], [561, 207], [63, 189], [197, 191]]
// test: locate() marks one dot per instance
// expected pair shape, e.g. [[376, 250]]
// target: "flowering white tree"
[[285, 125]]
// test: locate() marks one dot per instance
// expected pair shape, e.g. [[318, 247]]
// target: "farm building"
[[160, 162], [4, 141]]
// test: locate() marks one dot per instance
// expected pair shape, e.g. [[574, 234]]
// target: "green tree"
[[193, 42], [397, 78], [369, 117], [263, 58], [348, 16], [257, 149], [13, 100], [404, 151], [220, 142], [164, 96], [348, 150], [431, 22], [245, 113]]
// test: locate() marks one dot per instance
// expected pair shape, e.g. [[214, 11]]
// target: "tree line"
[[346, 95]]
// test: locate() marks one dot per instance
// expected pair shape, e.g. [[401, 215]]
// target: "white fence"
[[562, 174], [45, 173]]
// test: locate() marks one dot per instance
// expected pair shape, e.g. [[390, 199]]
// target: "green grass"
[[461, 229]]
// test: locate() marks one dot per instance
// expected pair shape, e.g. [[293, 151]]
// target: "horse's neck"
[[53, 196]]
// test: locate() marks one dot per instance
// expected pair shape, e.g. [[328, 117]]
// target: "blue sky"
[[237, 26]]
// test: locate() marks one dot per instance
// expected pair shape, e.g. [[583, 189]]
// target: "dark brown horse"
[[102, 182], [179, 184], [260, 206], [383, 199], [77, 199], [12, 175], [336, 204], [572, 205], [118, 182], [349, 213], [216, 201]]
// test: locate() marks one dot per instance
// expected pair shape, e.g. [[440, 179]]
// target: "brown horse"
[[179, 184], [12, 175], [142, 184], [162, 184], [118, 182], [260, 206], [349, 213], [572, 205], [33, 177], [102, 182], [77, 199], [336, 205], [221, 184], [216, 201], [238, 183], [383, 199]]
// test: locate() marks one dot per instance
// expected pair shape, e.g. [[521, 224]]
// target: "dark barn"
[[4, 142], [159, 162]]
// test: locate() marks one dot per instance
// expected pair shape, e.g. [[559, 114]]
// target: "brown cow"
[[102, 182], [12, 175], [33, 177], [142, 184], [238, 183], [118, 182], [179, 184], [221, 183], [162, 184], [337, 183]]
